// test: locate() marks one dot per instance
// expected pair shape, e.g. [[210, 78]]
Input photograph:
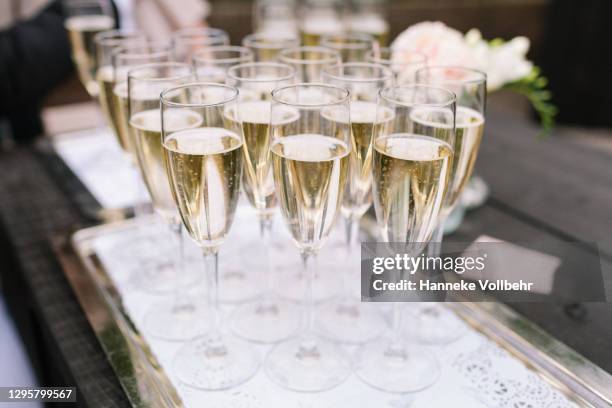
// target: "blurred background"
[[566, 39]]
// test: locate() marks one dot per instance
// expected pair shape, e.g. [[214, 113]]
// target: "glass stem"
[[211, 260], [309, 260], [267, 304], [395, 349], [434, 247], [265, 231], [181, 300], [352, 243], [139, 205]]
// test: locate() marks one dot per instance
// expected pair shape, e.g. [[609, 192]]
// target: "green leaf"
[[533, 87]]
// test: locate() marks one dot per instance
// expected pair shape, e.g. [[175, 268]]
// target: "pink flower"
[[441, 44], [503, 62]]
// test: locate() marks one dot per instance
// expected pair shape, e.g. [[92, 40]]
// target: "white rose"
[[443, 45], [506, 63]]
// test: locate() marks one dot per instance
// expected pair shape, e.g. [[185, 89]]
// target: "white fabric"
[[96, 159], [476, 372]]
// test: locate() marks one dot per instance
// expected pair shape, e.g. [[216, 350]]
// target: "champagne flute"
[[352, 47], [318, 18], [347, 319], [266, 46], [85, 19], [106, 43], [178, 318], [211, 64], [309, 61], [411, 172], [369, 17], [310, 159], [187, 41], [276, 17], [269, 319], [204, 164], [436, 323], [123, 59], [403, 63]]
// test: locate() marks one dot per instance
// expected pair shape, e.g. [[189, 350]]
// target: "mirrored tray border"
[[146, 384]]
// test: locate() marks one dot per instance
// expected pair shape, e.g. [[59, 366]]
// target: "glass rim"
[[385, 72], [451, 100], [333, 55], [379, 60], [252, 40], [195, 31], [233, 97], [367, 40], [123, 50], [115, 36], [232, 69], [193, 35], [481, 75], [131, 73], [249, 54], [338, 101]]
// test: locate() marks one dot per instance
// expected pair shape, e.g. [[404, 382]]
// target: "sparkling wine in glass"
[[204, 165], [179, 318], [211, 64], [346, 319], [124, 59], [318, 18], [404, 64], [106, 44], [309, 61], [85, 19], [269, 319], [266, 46], [353, 47], [310, 158], [187, 42], [436, 323], [411, 171]]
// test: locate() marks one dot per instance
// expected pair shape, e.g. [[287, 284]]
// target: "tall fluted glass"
[[411, 171], [310, 159], [204, 164]]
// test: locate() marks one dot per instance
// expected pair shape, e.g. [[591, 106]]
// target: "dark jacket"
[[34, 57]]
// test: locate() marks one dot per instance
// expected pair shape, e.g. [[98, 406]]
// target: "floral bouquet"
[[504, 62]]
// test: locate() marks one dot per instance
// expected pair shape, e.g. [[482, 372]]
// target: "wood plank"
[[561, 183], [584, 327]]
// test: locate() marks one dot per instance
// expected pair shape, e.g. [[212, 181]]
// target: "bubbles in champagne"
[[469, 126], [81, 32], [310, 173], [255, 117], [411, 173], [368, 121], [146, 127], [204, 167]]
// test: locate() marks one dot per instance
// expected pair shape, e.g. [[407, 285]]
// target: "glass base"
[[215, 363], [308, 366], [167, 321], [396, 370], [349, 322], [237, 283], [434, 324], [268, 321], [159, 279]]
